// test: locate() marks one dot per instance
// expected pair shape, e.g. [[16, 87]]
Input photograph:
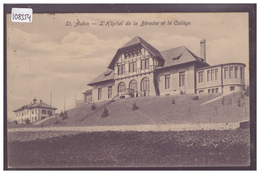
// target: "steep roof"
[[107, 75], [178, 56], [135, 41], [35, 105]]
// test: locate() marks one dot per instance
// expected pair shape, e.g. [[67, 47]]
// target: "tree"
[[135, 107], [105, 113], [93, 107]]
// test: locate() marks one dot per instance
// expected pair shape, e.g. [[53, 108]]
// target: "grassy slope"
[[160, 110], [132, 149]]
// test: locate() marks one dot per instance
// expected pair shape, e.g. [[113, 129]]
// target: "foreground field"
[[129, 149]]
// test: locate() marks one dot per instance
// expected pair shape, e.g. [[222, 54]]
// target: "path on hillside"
[[139, 128]]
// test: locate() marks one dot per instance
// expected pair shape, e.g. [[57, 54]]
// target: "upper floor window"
[[146, 63], [208, 74], [43, 111], [225, 72], [235, 71], [241, 72], [167, 81], [231, 72], [131, 67], [216, 74], [200, 76], [212, 74], [142, 64], [181, 79], [134, 66]]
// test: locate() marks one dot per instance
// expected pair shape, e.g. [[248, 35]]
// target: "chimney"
[[34, 100], [203, 49]]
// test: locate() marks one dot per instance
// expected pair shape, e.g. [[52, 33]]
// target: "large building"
[[33, 112], [139, 69]]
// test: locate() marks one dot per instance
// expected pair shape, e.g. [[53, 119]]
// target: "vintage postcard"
[[127, 90]]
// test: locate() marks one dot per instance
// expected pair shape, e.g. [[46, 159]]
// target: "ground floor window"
[[201, 91], [109, 91], [216, 90], [145, 84], [232, 88], [133, 84], [99, 93], [167, 81], [209, 90], [181, 79], [121, 87]]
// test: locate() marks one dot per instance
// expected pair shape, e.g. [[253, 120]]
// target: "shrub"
[[27, 121], [65, 116], [105, 113], [61, 114], [15, 122], [135, 107], [196, 98], [93, 107]]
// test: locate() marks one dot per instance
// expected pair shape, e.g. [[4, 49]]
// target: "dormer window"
[[176, 58]]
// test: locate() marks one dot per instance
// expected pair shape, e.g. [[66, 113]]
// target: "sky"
[[47, 57]]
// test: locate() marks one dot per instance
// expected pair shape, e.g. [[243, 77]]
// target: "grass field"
[[129, 149]]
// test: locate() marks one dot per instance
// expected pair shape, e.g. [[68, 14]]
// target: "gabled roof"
[[35, 105], [105, 76], [136, 41], [178, 56]]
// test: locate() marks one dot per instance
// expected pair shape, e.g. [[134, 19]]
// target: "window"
[[130, 67], [216, 90], [235, 71], [208, 74], [142, 64], [99, 93], [121, 87], [27, 112], [43, 111], [123, 69], [201, 91], [134, 67], [216, 74], [145, 84], [133, 84], [32, 112], [119, 70], [181, 79], [109, 91], [225, 72], [200, 77], [146, 63], [241, 72], [167, 81], [209, 90], [232, 88], [231, 72], [213, 90], [212, 74]]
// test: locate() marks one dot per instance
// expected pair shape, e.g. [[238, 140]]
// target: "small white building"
[[33, 112]]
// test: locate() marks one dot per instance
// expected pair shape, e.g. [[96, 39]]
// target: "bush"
[[27, 121], [15, 122], [105, 113], [196, 98], [65, 116], [135, 107], [93, 107]]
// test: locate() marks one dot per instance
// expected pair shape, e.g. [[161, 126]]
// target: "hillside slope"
[[160, 110]]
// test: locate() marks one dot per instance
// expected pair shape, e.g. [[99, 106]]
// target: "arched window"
[[133, 84], [145, 84], [121, 87]]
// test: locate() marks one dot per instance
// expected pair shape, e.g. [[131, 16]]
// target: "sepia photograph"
[[116, 87]]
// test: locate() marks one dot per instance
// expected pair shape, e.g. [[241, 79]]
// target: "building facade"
[[33, 112], [138, 69]]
